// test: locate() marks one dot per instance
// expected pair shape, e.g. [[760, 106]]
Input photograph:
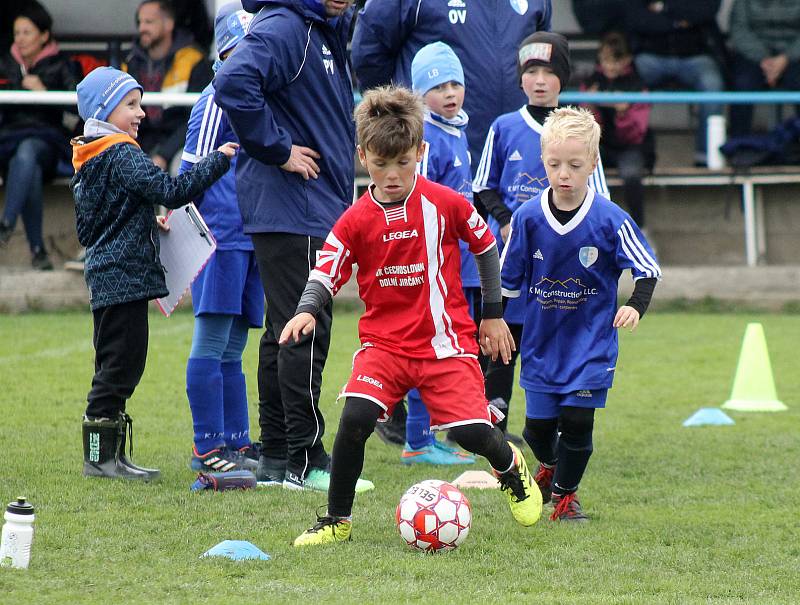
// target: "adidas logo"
[[584, 393], [325, 50], [458, 162], [515, 157], [538, 254], [456, 4]]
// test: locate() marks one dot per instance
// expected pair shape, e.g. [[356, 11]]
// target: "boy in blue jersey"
[[566, 251], [511, 173], [227, 296], [437, 75]]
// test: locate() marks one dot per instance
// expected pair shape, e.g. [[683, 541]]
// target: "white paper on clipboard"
[[185, 250]]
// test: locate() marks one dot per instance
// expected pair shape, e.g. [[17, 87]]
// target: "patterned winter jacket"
[[116, 188]]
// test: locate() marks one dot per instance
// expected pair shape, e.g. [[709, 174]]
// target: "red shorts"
[[451, 388]]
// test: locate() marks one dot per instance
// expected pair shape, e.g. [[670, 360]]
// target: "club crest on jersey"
[[587, 255], [458, 11], [392, 235], [520, 6]]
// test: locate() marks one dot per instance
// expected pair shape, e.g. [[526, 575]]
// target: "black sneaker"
[[393, 431], [566, 507], [270, 471], [40, 261]]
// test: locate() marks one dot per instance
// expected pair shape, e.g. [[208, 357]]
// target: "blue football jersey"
[[209, 128], [446, 161], [511, 165], [569, 274]]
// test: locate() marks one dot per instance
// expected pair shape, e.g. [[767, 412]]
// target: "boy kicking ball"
[[416, 331]]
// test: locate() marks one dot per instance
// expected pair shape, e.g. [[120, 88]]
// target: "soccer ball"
[[433, 516]]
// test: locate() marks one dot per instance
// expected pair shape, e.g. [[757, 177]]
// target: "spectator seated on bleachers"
[[626, 142], [165, 59], [765, 39], [32, 139], [679, 40]]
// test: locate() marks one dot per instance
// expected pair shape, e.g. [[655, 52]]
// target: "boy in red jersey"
[[416, 331]]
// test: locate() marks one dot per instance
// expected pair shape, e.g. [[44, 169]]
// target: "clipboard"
[[185, 249]]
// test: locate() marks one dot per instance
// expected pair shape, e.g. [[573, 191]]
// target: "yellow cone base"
[[744, 405]]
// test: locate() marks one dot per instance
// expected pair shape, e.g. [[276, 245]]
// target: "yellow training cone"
[[753, 386]]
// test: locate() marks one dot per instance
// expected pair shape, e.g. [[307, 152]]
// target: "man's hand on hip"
[[302, 162]]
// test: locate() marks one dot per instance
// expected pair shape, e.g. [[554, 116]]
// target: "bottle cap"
[[20, 507]]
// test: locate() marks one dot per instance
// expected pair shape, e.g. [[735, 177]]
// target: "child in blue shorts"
[[565, 253], [227, 296]]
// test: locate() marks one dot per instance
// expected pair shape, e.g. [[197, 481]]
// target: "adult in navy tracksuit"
[[287, 93], [485, 34]]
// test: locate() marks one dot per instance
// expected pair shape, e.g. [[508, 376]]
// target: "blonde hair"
[[572, 123], [389, 121]]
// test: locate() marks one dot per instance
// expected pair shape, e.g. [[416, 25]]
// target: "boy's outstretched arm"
[[314, 297], [629, 314], [493, 334]]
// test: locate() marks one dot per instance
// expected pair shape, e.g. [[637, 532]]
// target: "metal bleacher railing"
[[750, 182]]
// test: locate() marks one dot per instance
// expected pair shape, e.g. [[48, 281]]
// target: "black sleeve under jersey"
[[642, 294], [491, 200]]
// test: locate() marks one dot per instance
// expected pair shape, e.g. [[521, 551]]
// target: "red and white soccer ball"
[[433, 516]]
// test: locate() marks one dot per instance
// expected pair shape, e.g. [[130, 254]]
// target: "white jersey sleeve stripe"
[[422, 167], [190, 157], [641, 250], [201, 137], [510, 293], [217, 122], [482, 174], [214, 118], [599, 179], [631, 256]]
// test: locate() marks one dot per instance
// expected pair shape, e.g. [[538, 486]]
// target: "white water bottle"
[[15, 546]]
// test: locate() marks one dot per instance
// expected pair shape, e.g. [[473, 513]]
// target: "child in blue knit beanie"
[[116, 189]]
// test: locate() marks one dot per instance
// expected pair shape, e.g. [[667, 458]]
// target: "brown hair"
[[389, 121], [616, 44]]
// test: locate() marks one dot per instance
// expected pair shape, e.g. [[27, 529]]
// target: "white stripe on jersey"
[[395, 214], [422, 167], [638, 248], [212, 142], [328, 268], [599, 179], [444, 344], [482, 174], [201, 135], [190, 157]]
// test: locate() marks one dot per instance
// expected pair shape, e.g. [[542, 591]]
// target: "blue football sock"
[[418, 423], [204, 389], [237, 421]]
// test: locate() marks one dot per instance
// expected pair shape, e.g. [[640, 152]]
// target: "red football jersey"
[[409, 269]]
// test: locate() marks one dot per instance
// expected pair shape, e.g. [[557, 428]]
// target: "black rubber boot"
[[126, 423], [103, 450]]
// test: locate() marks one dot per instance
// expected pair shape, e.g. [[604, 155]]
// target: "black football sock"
[[347, 460], [486, 441], [574, 448], [542, 436]]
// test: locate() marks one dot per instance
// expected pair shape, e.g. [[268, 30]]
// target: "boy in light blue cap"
[[116, 188], [437, 75]]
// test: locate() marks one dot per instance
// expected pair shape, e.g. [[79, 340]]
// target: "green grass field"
[[679, 515]]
